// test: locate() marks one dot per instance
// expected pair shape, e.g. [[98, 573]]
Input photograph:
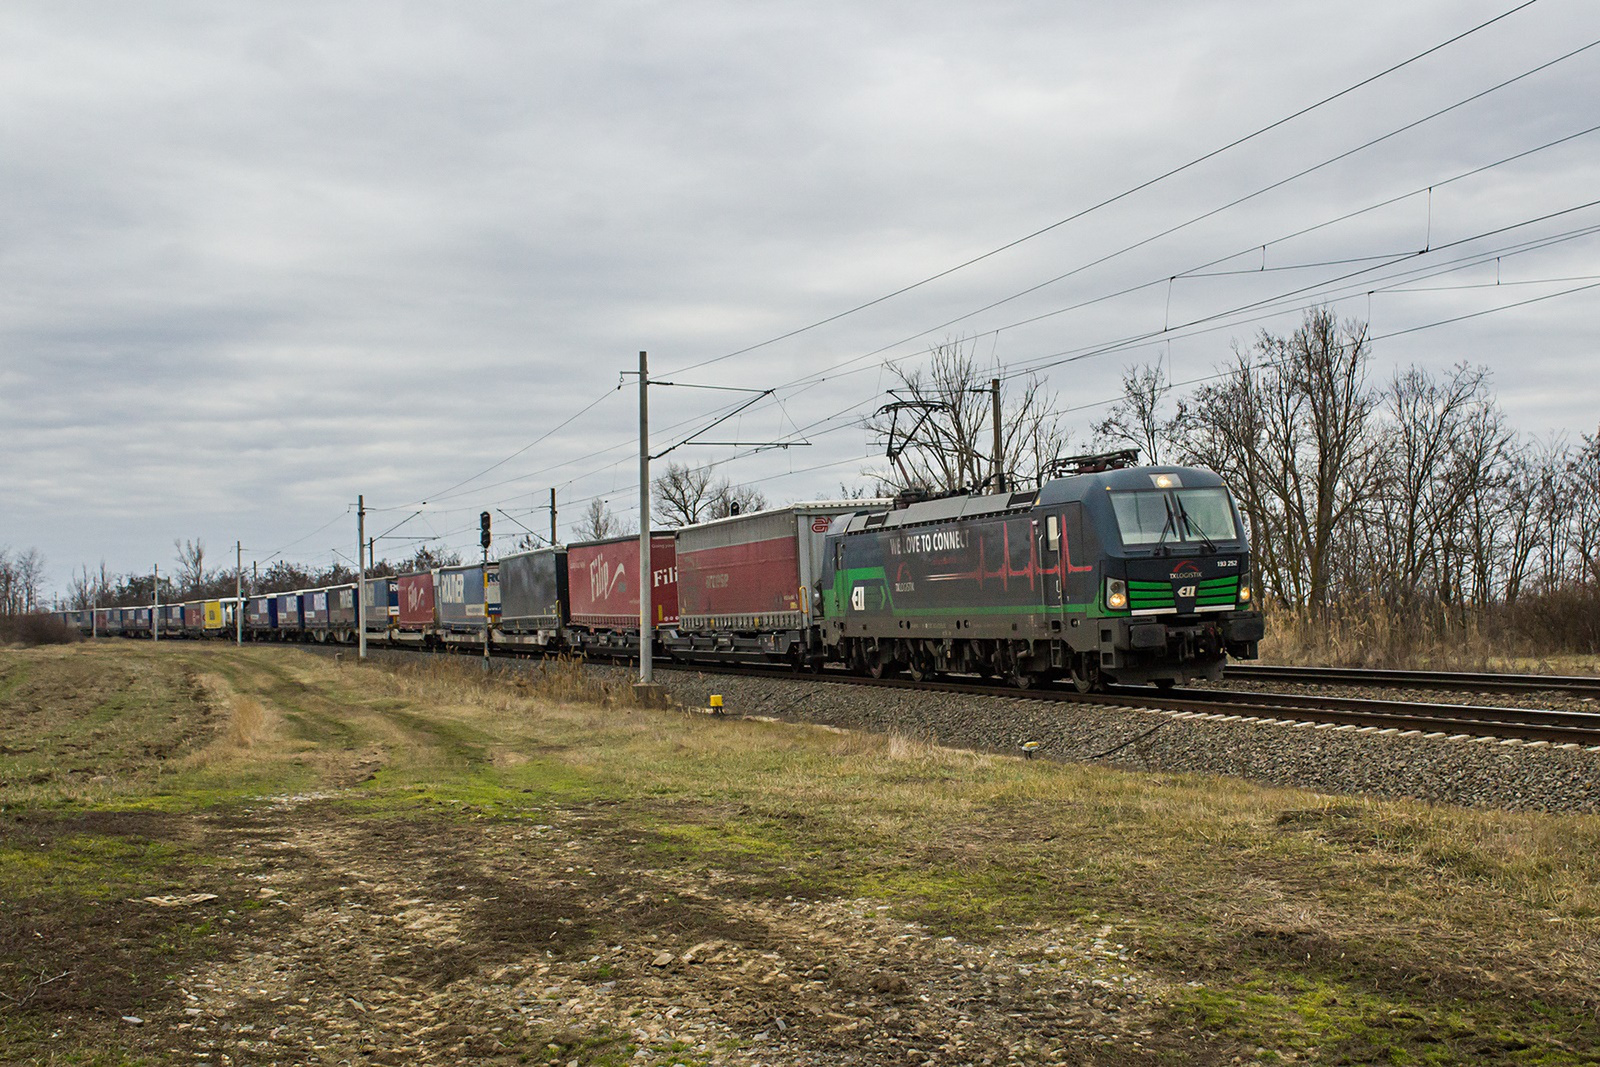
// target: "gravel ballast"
[[1472, 772]]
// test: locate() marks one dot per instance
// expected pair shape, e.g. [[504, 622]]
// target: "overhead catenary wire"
[[805, 381], [779, 398], [1192, 271], [1124, 194]]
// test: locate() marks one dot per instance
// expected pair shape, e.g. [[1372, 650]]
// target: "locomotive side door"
[[1069, 569], [1047, 534]]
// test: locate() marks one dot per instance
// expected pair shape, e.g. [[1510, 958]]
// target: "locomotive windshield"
[[1175, 516]]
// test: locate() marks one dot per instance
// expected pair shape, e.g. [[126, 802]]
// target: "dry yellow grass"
[[1374, 636]]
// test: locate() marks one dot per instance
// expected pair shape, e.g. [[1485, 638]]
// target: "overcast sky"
[[260, 258]]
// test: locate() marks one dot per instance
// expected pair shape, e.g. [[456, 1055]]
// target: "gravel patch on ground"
[[1469, 772]]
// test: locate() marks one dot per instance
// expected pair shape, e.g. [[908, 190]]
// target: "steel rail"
[[1524, 724], [1473, 682]]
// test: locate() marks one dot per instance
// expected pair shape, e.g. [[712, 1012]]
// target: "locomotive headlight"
[[1244, 594], [1116, 593]]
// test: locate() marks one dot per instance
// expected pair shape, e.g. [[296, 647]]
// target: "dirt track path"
[[421, 941]]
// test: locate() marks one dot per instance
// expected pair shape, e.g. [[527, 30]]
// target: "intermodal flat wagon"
[[341, 610], [171, 620], [415, 619], [314, 613], [261, 616], [288, 625], [746, 583], [380, 604], [533, 588], [603, 586]]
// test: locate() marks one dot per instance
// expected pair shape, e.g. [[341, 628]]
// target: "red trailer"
[[746, 582], [602, 589], [416, 618]]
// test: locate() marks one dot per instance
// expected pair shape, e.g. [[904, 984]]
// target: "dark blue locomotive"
[[1125, 575]]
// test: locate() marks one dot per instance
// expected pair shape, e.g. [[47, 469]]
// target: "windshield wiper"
[[1170, 524], [1195, 528]]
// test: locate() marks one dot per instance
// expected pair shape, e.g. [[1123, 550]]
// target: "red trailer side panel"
[[603, 590], [416, 601], [760, 578]]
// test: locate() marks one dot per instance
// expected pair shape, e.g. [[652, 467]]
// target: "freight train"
[[1111, 573]]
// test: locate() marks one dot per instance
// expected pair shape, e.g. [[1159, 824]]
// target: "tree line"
[[1411, 494], [193, 578], [1412, 491]]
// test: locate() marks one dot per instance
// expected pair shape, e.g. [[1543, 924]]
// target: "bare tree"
[[83, 591], [1583, 493], [191, 572], [1290, 429], [735, 500], [21, 579], [943, 430], [1137, 418], [599, 523], [686, 495], [682, 494], [1444, 446]]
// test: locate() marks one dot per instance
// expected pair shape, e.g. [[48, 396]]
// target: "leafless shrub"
[[36, 629]]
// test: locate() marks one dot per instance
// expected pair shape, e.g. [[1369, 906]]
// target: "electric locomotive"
[[1111, 574]]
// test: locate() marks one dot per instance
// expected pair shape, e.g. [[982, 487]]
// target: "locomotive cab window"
[[1155, 517]]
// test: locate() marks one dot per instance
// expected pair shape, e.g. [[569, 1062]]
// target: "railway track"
[[1550, 726], [1525, 724], [1466, 682]]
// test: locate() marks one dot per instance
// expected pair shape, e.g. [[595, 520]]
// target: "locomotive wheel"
[[1085, 679], [921, 667]]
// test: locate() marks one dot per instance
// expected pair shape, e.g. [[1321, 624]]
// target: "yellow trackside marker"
[[1029, 748], [716, 704]]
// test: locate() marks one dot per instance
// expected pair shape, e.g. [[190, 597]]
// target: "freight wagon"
[[380, 606], [288, 620], [533, 598], [745, 585], [462, 602], [261, 617], [340, 626], [415, 622], [603, 592]]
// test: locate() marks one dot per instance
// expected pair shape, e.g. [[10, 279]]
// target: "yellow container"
[[214, 617]]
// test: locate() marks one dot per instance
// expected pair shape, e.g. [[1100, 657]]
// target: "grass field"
[[264, 856]]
